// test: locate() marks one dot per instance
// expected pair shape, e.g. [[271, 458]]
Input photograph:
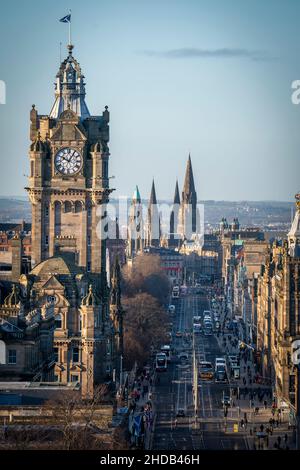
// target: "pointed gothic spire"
[[136, 195], [176, 195], [189, 186], [153, 194]]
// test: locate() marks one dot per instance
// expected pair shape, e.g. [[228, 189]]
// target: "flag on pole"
[[66, 19]]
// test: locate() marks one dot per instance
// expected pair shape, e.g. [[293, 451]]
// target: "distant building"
[[68, 188], [278, 294], [26, 338]]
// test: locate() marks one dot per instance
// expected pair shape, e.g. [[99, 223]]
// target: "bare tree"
[[146, 275], [144, 326]]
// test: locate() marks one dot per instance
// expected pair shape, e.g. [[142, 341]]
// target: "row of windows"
[[75, 355], [74, 378]]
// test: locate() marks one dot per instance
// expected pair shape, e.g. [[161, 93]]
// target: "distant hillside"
[[265, 214], [14, 210]]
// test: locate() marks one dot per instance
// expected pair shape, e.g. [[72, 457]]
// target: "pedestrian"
[[265, 404], [279, 441], [286, 438]]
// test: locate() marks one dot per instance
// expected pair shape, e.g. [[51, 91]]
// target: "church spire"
[[174, 218], [153, 199], [176, 195], [188, 216], [153, 221], [136, 195], [189, 186]]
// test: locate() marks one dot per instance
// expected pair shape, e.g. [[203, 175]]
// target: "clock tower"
[[68, 183]]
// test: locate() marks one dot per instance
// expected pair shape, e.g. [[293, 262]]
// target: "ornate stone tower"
[[68, 182], [173, 240], [188, 203], [135, 225], [153, 232], [68, 189]]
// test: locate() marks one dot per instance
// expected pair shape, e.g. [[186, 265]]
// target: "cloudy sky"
[[203, 76]]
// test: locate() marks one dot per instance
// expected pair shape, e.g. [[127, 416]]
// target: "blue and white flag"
[[66, 19]]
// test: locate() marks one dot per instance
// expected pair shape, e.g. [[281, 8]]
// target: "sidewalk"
[[142, 415], [259, 431]]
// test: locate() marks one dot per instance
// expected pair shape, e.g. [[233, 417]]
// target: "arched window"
[[68, 206], [78, 206], [2, 352], [58, 321]]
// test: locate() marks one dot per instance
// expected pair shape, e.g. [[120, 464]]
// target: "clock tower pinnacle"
[[68, 183]]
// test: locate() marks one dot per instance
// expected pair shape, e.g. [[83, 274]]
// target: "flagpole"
[[70, 43]]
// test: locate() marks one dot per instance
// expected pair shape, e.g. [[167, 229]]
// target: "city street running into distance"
[[174, 391]]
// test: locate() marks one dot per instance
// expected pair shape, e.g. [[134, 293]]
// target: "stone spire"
[[188, 222], [136, 195], [294, 233], [189, 186], [153, 199], [70, 89], [176, 195], [135, 225], [153, 221], [174, 218]]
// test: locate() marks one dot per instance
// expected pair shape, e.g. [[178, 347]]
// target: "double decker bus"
[[161, 362]]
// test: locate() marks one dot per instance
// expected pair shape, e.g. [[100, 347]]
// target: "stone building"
[[152, 226], [188, 217], [278, 294], [135, 229], [68, 190], [26, 338]]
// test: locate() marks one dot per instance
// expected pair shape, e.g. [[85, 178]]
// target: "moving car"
[[220, 361], [161, 362], [206, 370], [221, 374], [167, 350]]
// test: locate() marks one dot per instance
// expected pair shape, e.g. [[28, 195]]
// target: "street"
[[211, 430]]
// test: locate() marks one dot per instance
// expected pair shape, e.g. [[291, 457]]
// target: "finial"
[[33, 106]]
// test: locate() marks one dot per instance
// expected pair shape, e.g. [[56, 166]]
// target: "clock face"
[[68, 161]]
